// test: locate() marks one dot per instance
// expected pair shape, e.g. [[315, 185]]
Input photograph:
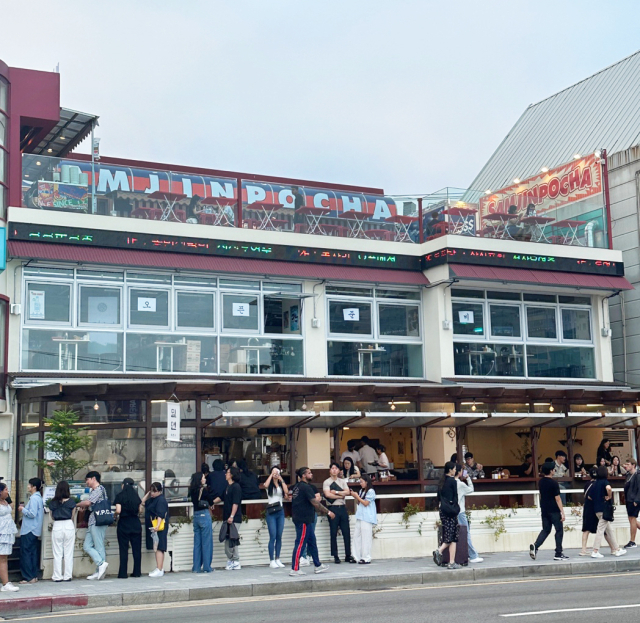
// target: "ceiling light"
[[577, 156], [62, 138], [96, 406], [400, 402], [544, 169], [304, 404], [189, 409], [156, 401], [208, 403], [26, 175], [393, 405], [50, 151], [624, 409], [38, 163], [473, 406], [551, 408], [322, 402], [240, 402], [516, 180], [343, 428]]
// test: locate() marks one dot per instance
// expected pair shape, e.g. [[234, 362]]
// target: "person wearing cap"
[[129, 530]]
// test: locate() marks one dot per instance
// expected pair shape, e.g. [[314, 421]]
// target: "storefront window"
[[505, 321], [472, 359], [48, 302], [365, 359], [403, 320], [349, 318], [172, 463], [240, 312], [108, 411], [70, 350], [27, 467], [148, 307], [30, 415], [282, 315], [100, 305], [148, 352], [468, 318], [241, 355], [576, 324], [560, 362], [159, 410], [541, 322], [195, 310]]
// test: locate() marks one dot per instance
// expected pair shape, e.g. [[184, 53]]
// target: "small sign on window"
[[351, 315], [466, 317], [240, 309], [146, 304]]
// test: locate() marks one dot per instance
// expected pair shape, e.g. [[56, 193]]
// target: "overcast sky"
[[405, 95]]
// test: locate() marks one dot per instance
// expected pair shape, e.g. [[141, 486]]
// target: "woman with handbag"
[[449, 511], [156, 521], [63, 533], [129, 529], [8, 532], [602, 495], [202, 501], [277, 491]]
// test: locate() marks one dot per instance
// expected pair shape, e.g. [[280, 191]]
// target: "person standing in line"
[[449, 512], [335, 491], [601, 494], [216, 480], [94, 540], [156, 513], [632, 499], [303, 509], [277, 491], [129, 528], [366, 518], [30, 532], [232, 514], [552, 513], [465, 487], [248, 482], [202, 501], [589, 519], [351, 452], [368, 457], [8, 532], [63, 534]]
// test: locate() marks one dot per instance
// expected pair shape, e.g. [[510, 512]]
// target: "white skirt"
[[6, 549]]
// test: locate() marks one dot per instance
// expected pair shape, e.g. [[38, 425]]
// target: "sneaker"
[[561, 557], [336, 560], [294, 574], [102, 569], [630, 545], [478, 559], [93, 576], [321, 569], [156, 573], [454, 565], [229, 566], [9, 588], [620, 552], [351, 560], [533, 552], [596, 555], [304, 562], [584, 554], [437, 557], [273, 564], [279, 564], [236, 565]]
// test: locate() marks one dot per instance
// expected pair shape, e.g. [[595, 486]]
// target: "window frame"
[[154, 327], [29, 322], [96, 284], [209, 292]]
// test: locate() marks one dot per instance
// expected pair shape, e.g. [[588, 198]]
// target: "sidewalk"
[[47, 596]]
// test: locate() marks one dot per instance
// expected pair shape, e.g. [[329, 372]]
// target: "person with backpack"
[[100, 518], [63, 534], [449, 511], [129, 528]]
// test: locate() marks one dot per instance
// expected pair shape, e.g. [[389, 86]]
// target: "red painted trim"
[[607, 202], [296, 564], [142, 164]]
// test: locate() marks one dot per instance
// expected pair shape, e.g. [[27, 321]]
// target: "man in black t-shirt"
[[303, 509], [232, 514], [552, 513]]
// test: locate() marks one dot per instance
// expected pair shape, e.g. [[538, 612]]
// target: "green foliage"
[[409, 511], [62, 440], [177, 523], [495, 521]]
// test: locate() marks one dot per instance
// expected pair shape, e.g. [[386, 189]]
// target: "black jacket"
[[632, 488], [448, 497]]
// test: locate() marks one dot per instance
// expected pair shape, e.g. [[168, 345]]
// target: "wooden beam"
[[272, 388], [26, 394]]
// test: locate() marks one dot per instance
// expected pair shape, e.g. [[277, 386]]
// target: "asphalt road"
[[585, 599]]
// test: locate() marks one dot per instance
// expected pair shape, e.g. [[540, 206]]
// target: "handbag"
[[158, 523], [271, 509], [102, 511], [608, 511]]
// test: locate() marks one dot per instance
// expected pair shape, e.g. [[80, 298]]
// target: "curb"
[[61, 603]]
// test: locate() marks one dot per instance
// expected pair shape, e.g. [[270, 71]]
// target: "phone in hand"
[[465, 473]]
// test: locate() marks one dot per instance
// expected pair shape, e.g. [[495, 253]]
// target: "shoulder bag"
[[102, 510], [608, 511]]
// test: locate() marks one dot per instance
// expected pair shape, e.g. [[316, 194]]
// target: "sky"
[[404, 95]]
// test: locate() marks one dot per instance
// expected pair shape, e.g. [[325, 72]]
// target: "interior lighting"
[[393, 406], [50, 150], [96, 406], [473, 406], [322, 402], [157, 401], [624, 409], [400, 402], [551, 409], [38, 163], [304, 406], [240, 402]]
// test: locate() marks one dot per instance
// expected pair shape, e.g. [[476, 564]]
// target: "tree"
[[62, 441]]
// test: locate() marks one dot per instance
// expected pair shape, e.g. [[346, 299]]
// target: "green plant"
[[495, 521], [409, 511], [61, 441], [176, 525]]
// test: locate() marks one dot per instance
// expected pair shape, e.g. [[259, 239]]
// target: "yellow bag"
[[158, 523]]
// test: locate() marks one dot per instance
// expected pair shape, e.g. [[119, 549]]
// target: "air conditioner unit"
[[621, 443]]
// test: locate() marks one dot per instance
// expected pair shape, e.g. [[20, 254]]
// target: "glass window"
[[240, 312], [241, 355], [473, 359], [351, 318], [195, 280], [48, 302], [282, 315], [30, 414], [148, 307], [399, 320], [409, 295], [504, 296], [272, 286], [71, 350], [108, 411], [3, 202], [3, 334], [195, 309], [172, 463], [541, 322], [149, 277], [159, 410], [366, 359], [468, 318], [576, 324], [100, 275], [467, 294], [3, 130], [99, 305], [560, 362], [575, 300], [505, 320], [349, 291], [540, 298], [4, 95], [148, 352], [28, 454], [237, 284], [46, 271], [3, 177]]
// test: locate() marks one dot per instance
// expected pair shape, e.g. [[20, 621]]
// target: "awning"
[[397, 420], [539, 277], [458, 419], [515, 420], [330, 419], [277, 419], [184, 261]]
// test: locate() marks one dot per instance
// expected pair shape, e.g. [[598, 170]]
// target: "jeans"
[[549, 520], [305, 536], [29, 546], [202, 541], [563, 496], [303, 553], [275, 523], [129, 531], [464, 521], [340, 521], [63, 540], [94, 544]]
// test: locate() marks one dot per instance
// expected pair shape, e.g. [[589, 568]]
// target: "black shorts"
[[633, 509]]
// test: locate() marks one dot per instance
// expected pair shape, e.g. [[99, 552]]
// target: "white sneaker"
[[596, 555], [293, 573], [273, 564], [93, 576], [478, 559], [9, 588], [321, 569], [102, 569], [229, 566], [156, 573], [236, 565], [304, 562], [620, 552], [279, 564]]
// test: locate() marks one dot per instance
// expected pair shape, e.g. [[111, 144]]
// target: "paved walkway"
[[47, 596]]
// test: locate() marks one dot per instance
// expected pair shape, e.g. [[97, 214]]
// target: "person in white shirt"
[[351, 452], [277, 491], [383, 461], [465, 486], [368, 457]]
